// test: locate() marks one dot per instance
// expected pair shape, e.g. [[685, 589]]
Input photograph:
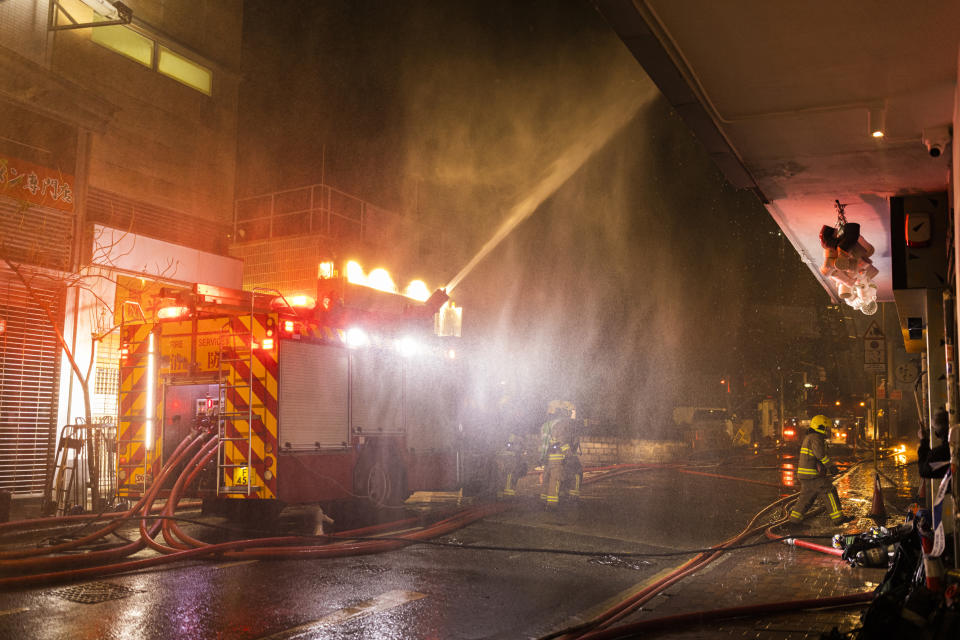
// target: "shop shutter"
[[29, 362], [313, 396], [36, 235]]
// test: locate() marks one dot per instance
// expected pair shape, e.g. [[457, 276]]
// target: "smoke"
[[570, 227], [598, 254]]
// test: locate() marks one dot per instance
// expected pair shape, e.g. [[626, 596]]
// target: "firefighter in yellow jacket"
[[815, 472], [560, 444]]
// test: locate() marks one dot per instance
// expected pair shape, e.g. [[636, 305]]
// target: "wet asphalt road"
[[423, 591]]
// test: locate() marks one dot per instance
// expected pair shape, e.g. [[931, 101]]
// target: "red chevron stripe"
[[259, 389]]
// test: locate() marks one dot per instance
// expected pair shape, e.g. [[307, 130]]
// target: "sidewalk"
[[777, 572]]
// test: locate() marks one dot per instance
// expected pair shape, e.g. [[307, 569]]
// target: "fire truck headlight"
[[408, 347], [357, 337]]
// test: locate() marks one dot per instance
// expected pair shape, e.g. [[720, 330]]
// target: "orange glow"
[[417, 290], [302, 301], [381, 280], [268, 343], [325, 270], [355, 273]]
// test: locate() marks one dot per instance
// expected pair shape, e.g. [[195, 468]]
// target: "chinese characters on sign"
[[38, 185]]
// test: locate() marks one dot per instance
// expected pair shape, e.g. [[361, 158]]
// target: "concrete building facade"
[[118, 130]]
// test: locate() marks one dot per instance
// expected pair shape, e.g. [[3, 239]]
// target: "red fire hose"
[[702, 617]]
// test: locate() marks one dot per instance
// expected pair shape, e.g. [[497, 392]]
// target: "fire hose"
[[39, 570], [702, 617], [594, 628], [182, 546]]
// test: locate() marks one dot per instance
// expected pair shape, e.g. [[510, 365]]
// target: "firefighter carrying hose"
[[560, 455], [815, 472]]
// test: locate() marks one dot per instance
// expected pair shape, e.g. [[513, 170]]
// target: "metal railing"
[[314, 209]]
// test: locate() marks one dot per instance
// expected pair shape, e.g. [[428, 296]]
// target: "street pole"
[[876, 420], [780, 417], [925, 416]]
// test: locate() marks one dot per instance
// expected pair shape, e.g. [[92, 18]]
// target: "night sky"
[[638, 282]]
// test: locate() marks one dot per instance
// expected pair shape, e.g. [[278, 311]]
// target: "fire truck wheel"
[[381, 479]]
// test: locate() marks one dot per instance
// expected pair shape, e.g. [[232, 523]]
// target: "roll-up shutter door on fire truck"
[[313, 396], [377, 398], [29, 363]]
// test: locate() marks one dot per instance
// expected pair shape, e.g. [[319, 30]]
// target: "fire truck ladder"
[[236, 426]]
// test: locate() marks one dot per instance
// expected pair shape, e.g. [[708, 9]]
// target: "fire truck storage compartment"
[[313, 397], [184, 405], [376, 402]]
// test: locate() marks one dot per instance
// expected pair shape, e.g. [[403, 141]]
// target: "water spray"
[[575, 156]]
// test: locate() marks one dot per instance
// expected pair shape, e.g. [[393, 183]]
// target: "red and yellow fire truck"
[[354, 395]]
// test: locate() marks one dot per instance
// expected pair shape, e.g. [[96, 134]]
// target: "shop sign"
[[35, 184]]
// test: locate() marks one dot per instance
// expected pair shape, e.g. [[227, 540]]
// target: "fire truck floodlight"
[[357, 337], [168, 313]]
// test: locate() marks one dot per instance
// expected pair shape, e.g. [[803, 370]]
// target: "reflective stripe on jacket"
[[814, 460]]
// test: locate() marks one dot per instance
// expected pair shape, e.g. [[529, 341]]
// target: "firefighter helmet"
[[561, 409], [820, 424]]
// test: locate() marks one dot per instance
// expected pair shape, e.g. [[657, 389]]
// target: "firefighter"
[[560, 454], [814, 470], [511, 466]]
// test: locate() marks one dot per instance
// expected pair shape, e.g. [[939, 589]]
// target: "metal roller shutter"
[[376, 401], [313, 396], [36, 235], [29, 363]]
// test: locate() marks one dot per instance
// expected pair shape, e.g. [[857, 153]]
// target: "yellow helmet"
[[820, 424]]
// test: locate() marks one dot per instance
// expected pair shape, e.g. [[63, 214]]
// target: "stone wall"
[[599, 451]]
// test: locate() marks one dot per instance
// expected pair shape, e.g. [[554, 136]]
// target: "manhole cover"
[[94, 592]]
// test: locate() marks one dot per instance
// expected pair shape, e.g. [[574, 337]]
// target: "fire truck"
[[351, 395]]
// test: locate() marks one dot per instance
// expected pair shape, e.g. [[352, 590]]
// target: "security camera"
[[936, 140]]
